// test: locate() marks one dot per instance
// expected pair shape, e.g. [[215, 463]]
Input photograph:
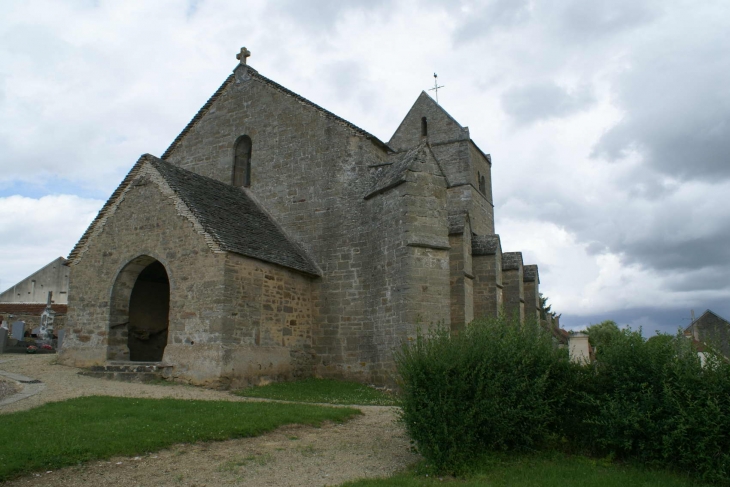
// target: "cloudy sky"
[[608, 121]]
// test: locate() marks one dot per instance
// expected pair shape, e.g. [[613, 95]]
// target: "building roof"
[[707, 313], [262, 79], [33, 309], [229, 217], [394, 173]]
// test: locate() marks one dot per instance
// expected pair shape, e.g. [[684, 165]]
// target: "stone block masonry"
[[320, 255]]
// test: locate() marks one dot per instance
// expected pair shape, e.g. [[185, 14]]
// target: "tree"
[[602, 333], [544, 307]]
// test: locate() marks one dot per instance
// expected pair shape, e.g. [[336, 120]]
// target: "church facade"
[[274, 239]]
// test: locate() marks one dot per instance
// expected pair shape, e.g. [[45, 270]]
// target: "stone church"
[[274, 239]]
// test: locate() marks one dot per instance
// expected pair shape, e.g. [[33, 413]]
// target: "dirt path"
[[372, 445]]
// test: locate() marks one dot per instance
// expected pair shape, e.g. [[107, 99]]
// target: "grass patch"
[[546, 470], [98, 427], [322, 391]]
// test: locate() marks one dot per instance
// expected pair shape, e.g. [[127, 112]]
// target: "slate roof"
[[395, 173], [226, 213], [256, 76], [485, 244], [511, 261]]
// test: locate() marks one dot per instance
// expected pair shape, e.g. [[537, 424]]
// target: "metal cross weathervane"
[[435, 86]]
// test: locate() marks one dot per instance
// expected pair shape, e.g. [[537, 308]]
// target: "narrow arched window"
[[483, 185], [242, 162], [479, 181], [424, 127]]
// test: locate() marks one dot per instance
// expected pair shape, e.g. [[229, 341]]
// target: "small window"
[[424, 127], [483, 185], [242, 162]]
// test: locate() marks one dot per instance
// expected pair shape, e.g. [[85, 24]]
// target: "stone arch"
[[139, 314], [242, 161]]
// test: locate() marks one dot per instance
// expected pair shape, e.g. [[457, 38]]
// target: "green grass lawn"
[[546, 470], [322, 391], [65, 433]]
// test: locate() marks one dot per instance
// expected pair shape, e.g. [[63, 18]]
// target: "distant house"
[[26, 300], [34, 288], [712, 330]]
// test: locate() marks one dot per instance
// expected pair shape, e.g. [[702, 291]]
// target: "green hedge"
[[653, 401], [495, 386], [501, 386]]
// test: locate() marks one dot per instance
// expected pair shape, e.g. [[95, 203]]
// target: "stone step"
[[123, 376], [127, 371]]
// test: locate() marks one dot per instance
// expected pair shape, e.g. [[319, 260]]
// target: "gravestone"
[[35, 331], [3, 339], [18, 330], [59, 343]]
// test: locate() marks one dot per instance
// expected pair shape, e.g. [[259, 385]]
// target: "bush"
[[653, 401], [498, 385]]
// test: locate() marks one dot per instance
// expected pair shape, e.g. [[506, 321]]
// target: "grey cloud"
[[581, 20], [660, 252], [677, 101], [540, 101], [706, 279], [321, 14], [481, 20], [649, 319]]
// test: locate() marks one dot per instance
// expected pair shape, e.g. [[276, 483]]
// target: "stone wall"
[[267, 323], [311, 171], [531, 279], [513, 285], [131, 233], [487, 264]]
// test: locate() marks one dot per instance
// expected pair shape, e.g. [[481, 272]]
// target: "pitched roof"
[[260, 78], [227, 215], [394, 173]]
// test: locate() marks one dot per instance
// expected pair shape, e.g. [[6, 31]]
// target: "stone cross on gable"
[[241, 56]]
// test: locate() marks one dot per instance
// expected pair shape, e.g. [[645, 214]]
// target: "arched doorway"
[[140, 312]]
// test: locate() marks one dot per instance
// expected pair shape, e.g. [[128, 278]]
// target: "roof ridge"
[[257, 76], [79, 248], [324, 111], [199, 206], [203, 110], [422, 94]]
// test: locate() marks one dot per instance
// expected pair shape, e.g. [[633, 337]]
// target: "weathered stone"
[[340, 248]]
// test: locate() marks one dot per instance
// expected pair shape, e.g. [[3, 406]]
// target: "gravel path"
[[7, 388], [371, 445]]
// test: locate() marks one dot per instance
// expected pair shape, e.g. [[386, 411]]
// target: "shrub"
[[653, 401], [498, 385]]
